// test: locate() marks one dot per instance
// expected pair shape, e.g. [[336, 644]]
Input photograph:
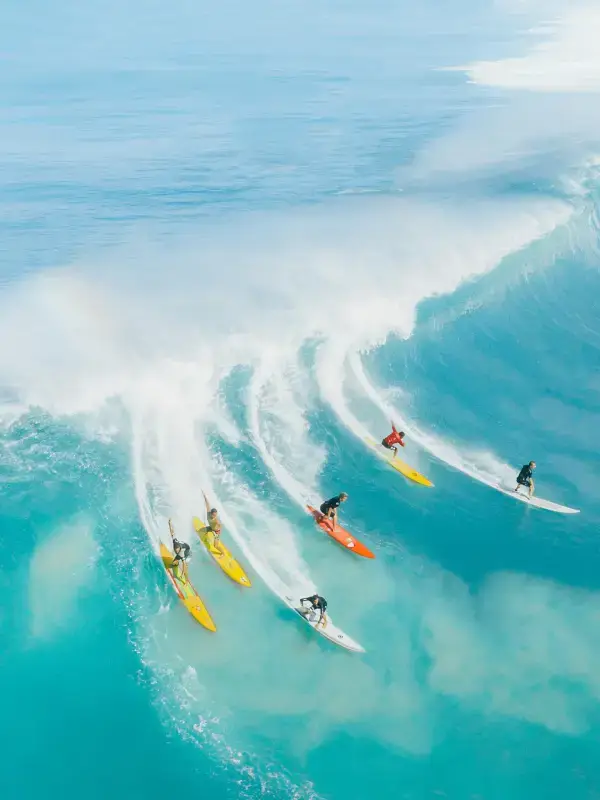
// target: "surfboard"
[[326, 628], [185, 590], [396, 463], [222, 557], [340, 535], [536, 502]]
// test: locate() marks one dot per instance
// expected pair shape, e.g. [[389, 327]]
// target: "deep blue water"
[[235, 240]]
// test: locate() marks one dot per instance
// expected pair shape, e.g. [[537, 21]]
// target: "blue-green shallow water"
[[235, 240]]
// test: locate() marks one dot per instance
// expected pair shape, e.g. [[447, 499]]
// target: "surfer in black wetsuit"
[[317, 603], [525, 477], [329, 507], [182, 553]]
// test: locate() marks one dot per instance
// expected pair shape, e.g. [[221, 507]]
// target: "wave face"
[[229, 257]]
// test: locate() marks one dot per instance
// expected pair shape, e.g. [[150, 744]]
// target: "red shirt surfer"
[[394, 438]]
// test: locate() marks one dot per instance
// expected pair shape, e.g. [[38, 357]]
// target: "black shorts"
[[525, 482], [388, 446], [324, 509]]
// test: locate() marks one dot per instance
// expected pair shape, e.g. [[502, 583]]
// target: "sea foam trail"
[[172, 466], [330, 369], [332, 362], [279, 431], [482, 466]]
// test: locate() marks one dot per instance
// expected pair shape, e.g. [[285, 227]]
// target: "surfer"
[[182, 553], [211, 532], [329, 507], [317, 603], [393, 439], [525, 477]]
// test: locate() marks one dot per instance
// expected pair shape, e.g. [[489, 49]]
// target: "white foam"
[[565, 58], [279, 428], [330, 367], [80, 336]]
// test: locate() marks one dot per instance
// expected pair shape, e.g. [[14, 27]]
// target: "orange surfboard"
[[340, 535]]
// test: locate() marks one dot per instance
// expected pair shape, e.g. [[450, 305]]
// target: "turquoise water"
[[237, 240]]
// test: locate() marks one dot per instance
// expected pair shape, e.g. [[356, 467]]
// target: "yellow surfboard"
[[401, 466], [222, 556], [186, 592]]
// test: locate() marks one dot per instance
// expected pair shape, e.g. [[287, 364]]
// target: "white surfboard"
[[326, 629], [536, 502]]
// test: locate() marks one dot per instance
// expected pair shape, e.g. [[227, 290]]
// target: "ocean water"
[[236, 238]]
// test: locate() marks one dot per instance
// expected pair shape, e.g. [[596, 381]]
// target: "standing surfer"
[[393, 439], [329, 507], [525, 478]]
